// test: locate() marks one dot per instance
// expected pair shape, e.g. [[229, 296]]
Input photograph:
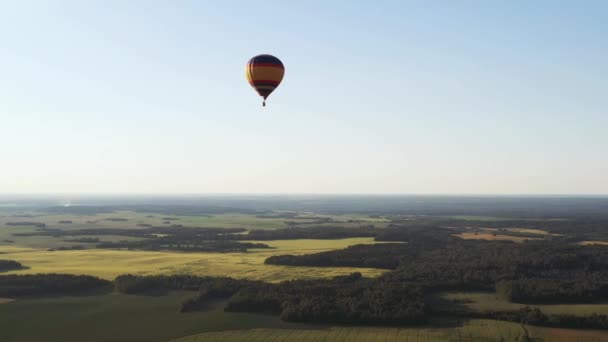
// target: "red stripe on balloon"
[[265, 82], [271, 65]]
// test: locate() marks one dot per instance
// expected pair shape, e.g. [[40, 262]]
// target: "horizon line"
[[388, 194]]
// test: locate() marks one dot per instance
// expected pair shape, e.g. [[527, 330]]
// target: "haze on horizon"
[[390, 97]]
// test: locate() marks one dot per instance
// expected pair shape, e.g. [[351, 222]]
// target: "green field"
[[111, 316], [479, 218], [229, 220], [32, 251], [473, 330], [110, 263], [117, 317], [487, 301]]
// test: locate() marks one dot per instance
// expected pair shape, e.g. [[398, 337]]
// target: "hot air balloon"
[[264, 73]]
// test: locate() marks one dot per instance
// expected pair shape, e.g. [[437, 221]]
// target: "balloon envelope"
[[264, 73]]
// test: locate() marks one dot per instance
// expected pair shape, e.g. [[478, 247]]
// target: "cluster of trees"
[[213, 286], [385, 255], [26, 224], [151, 232], [349, 299], [346, 300], [67, 248], [480, 265], [170, 243], [83, 240], [526, 272], [573, 229], [14, 285], [10, 265], [535, 290], [535, 316], [286, 214], [177, 237], [323, 233]]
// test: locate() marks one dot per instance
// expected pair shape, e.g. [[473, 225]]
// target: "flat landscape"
[[207, 273], [474, 330], [487, 301], [108, 264]]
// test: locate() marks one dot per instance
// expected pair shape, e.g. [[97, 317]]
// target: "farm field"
[[473, 330], [479, 218], [110, 263], [130, 219], [487, 301], [492, 236], [113, 316], [591, 243], [117, 317], [135, 220]]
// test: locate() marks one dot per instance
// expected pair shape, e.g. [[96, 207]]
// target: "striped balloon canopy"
[[264, 73]]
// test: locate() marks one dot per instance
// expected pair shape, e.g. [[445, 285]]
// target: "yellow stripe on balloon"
[[265, 73]]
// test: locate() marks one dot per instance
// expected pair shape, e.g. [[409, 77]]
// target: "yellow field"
[[529, 231], [474, 330], [491, 236], [590, 243], [486, 301], [110, 263]]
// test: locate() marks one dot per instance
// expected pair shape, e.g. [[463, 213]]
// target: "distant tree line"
[[535, 290], [346, 299], [16, 285], [535, 316], [83, 240], [315, 232], [67, 248], [151, 232], [385, 255], [26, 223], [135, 284], [174, 244], [528, 272], [10, 265]]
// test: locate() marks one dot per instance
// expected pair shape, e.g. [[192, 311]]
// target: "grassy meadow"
[[110, 263], [487, 301], [111, 316], [474, 330], [116, 317]]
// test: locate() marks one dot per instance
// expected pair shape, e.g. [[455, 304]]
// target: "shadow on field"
[[153, 293], [23, 268]]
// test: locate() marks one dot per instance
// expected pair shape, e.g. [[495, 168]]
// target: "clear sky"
[[451, 97]]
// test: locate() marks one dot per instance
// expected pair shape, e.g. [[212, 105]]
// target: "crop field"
[[486, 301], [527, 230], [479, 218], [110, 263], [473, 330], [130, 219], [492, 236], [591, 243], [117, 317]]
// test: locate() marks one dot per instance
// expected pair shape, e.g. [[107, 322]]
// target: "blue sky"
[[478, 97]]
